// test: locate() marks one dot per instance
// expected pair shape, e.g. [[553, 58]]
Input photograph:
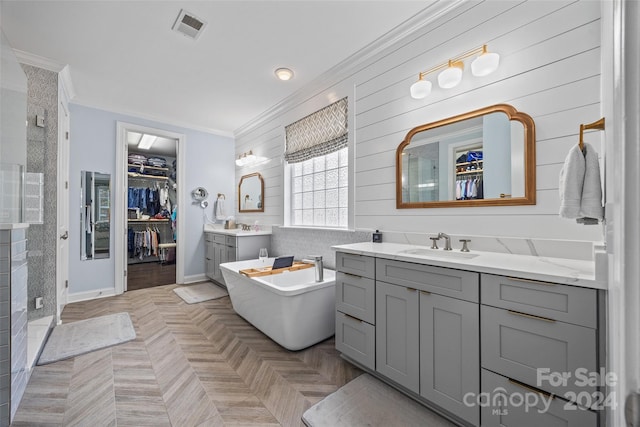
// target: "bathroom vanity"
[[227, 245], [447, 328]]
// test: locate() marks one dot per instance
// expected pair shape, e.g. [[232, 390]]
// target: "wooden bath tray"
[[266, 271]]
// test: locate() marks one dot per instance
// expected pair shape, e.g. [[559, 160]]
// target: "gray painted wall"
[[209, 163]]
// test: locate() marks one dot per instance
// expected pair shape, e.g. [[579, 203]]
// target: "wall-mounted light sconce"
[[245, 159], [486, 63], [249, 159]]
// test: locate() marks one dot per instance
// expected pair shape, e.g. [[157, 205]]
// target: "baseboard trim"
[[195, 278], [89, 295]]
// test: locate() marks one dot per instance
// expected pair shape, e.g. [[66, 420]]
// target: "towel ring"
[[599, 125], [220, 195]]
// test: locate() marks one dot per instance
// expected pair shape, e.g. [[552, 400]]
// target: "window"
[[319, 190], [318, 158]]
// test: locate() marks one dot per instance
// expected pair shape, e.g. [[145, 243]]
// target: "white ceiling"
[[124, 57]]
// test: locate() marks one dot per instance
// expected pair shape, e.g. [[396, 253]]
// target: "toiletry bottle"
[[377, 237]]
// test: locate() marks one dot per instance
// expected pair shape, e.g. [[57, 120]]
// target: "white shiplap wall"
[[550, 69]]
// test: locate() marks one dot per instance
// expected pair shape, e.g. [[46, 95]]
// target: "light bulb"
[[485, 64], [420, 89], [450, 76]]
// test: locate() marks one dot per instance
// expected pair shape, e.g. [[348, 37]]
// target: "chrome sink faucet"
[[447, 241], [316, 260]]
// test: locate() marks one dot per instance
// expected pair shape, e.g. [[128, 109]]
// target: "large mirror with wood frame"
[[251, 193], [485, 157]]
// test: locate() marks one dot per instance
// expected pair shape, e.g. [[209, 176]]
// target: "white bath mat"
[[192, 294], [76, 338], [367, 401]]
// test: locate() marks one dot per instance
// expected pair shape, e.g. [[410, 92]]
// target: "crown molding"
[[64, 77], [38, 61], [353, 63], [157, 119]]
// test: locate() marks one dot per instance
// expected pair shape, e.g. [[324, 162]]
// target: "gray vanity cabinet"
[[355, 308], [544, 410], [221, 248], [441, 334], [426, 340], [449, 353], [527, 326], [397, 334]]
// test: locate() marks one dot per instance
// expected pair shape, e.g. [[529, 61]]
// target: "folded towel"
[[220, 209], [591, 204], [571, 182]]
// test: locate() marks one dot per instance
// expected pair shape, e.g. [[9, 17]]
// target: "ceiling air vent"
[[189, 25]]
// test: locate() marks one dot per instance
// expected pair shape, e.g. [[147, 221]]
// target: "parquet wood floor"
[[190, 365]]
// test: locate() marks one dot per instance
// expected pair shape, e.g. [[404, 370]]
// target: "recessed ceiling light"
[[146, 141], [284, 74]]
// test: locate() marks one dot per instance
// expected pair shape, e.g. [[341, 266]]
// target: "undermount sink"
[[438, 253]]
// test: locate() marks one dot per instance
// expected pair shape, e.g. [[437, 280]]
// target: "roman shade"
[[317, 134]]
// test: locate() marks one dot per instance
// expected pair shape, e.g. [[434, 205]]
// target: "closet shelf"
[[142, 176], [469, 172], [148, 167], [148, 220], [469, 163]]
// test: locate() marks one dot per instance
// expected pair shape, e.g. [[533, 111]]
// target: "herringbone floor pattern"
[[190, 365]]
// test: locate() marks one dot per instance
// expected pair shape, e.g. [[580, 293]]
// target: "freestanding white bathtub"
[[291, 308]]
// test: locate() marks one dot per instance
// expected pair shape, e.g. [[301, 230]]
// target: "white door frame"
[[620, 92], [120, 199]]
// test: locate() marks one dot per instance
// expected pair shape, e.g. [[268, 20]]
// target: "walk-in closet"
[[151, 211]]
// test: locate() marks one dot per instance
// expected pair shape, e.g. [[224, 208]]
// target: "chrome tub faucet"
[[316, 260]]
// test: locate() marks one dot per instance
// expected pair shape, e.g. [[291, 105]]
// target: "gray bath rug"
[[76, 338], [192, 294], [367, 401]]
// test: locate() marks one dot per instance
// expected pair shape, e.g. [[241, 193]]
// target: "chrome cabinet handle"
[[65, 236]]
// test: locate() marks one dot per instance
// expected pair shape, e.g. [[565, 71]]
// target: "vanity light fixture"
[[146, 141], [451, 74], [284, 74], [246, 159]]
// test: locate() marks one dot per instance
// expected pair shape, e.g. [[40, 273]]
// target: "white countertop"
[[557, 270], [210, 228]]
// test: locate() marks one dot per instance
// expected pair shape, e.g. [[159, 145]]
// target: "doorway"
[[148, 186]]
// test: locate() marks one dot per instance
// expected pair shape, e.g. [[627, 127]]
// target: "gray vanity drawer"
[[356, 296], [559, 413], [565, 303], [230, 241], [213, 237], [443, 281], [356, 339], [517, 345], [360, 265]]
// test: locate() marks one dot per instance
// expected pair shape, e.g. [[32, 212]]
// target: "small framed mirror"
[[251, 193], [484, 157], [95, 215]]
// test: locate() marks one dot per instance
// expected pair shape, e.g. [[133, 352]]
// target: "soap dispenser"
[[377, 237]]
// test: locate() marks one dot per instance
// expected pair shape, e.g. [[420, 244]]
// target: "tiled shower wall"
[[304, 242], [13, 306], [42, 157]]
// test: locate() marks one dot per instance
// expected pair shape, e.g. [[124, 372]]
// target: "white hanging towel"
[[571, 182], [580, 187], [591, 203], [220, 215]]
